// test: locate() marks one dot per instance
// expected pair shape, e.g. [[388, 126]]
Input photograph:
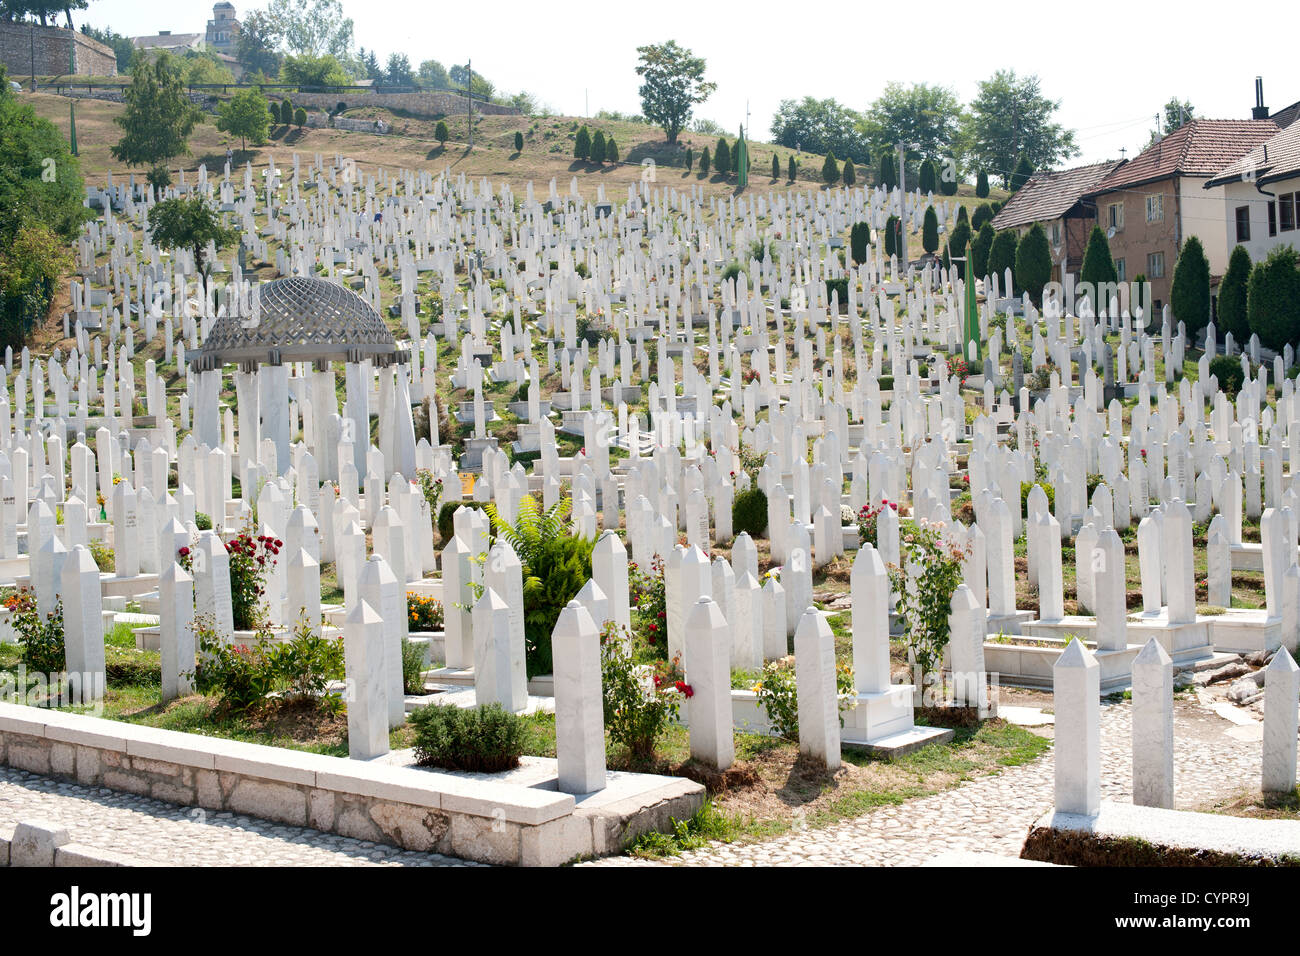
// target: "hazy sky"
[[1110, 79]]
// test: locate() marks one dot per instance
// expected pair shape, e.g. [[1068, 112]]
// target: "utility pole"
[[469, 99], [33, 56], [902, 208]]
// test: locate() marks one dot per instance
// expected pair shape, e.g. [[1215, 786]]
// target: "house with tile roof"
[[1054, 199], [1262, 195], [1153, 202]]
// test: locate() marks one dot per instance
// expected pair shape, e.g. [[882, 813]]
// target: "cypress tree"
[[582, 144], [830, 169], [891, 236], [598, 147], [776, 168], [440, 133], [1022, 173], [1033, 268], [930, 230], [791, 168], [519, 142], [1232, 295], [704, 161], [1189, 297], [1273, 298], [849, 174], [274, 107], [300, 117], [959, 239], [926, 179], [611, 150], [286, 112], [1098, 266], [722, 156], [979, 250], [983, 213], [859, 236], [1002, 254], [690, 157], [982, 185], [888, 170]]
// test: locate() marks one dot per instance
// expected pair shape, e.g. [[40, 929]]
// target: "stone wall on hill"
[[17, 41]]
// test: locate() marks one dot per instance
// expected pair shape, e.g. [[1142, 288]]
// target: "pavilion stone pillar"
[[207, 416], [250, 430], [273, 401], [403, 459], [358, 392], [325, 405]]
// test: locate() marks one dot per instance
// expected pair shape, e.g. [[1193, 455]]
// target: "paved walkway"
[[993, 814], [163, 833]]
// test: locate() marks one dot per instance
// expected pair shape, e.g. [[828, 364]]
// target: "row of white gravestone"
[[1077, 748]]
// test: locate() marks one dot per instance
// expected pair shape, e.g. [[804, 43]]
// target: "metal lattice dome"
[[300, 319]]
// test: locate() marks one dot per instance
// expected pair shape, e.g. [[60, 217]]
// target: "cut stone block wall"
[[51, 48]]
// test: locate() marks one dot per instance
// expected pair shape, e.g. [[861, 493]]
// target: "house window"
[[1272, 218], [1155, 265], [1243, 224], [1155, 208], [1119, 271], [1056, 233], [1287, 206], [1115, 216]]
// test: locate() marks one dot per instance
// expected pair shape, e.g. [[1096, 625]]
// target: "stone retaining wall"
[[417, 104], [413, 809], [51, 47]]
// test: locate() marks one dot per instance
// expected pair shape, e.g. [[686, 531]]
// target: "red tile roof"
[[1200, 147], [1276, 158], [1049, 195]]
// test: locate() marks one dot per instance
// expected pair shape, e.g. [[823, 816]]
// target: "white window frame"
[[1115, 216], [1155, 207]]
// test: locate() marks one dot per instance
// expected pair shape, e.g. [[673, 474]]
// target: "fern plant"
[[556, 565]]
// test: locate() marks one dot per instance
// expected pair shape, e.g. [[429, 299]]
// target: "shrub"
[[639, 700], [104, 557], [926, 601], [948, 186], [303, 667], [925, 180], [722, 156], [1033, 262], [441, 133], [582, 144], [412, 667], [446, 518], [830, 170], [840, 286], [486, 739], [859, 237], [886, 383], [238, 674], [556, 566], [850, 176], [1189, 297], [1098, 266], [611, 150], [649, 601], [598, 147], [300, 117], [778, 695], [42, 640], [430, 487], [980, 248], [1273, 298], [202, 521], [749, 512], [424, 613], [732, 271], [704, 161], [286, 111], [982, 184], [519, 142], [1228, 371], [867, 519], [1027, 486], [251, 560], [1002, 254], [983, 213], [274, 107], [1232, 296], [930, 231]]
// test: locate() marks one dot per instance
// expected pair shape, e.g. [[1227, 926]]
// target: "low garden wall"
[[415, 809]]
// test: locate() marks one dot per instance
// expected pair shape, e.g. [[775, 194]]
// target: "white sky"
[[1111, 79]]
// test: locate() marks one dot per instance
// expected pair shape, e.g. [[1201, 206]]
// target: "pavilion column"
[[403, 426], [246, 394], [325, 405], [358, 411], [273, 401], [207, 415]]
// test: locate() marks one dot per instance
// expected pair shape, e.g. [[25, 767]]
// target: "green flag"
[[972, 318]]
